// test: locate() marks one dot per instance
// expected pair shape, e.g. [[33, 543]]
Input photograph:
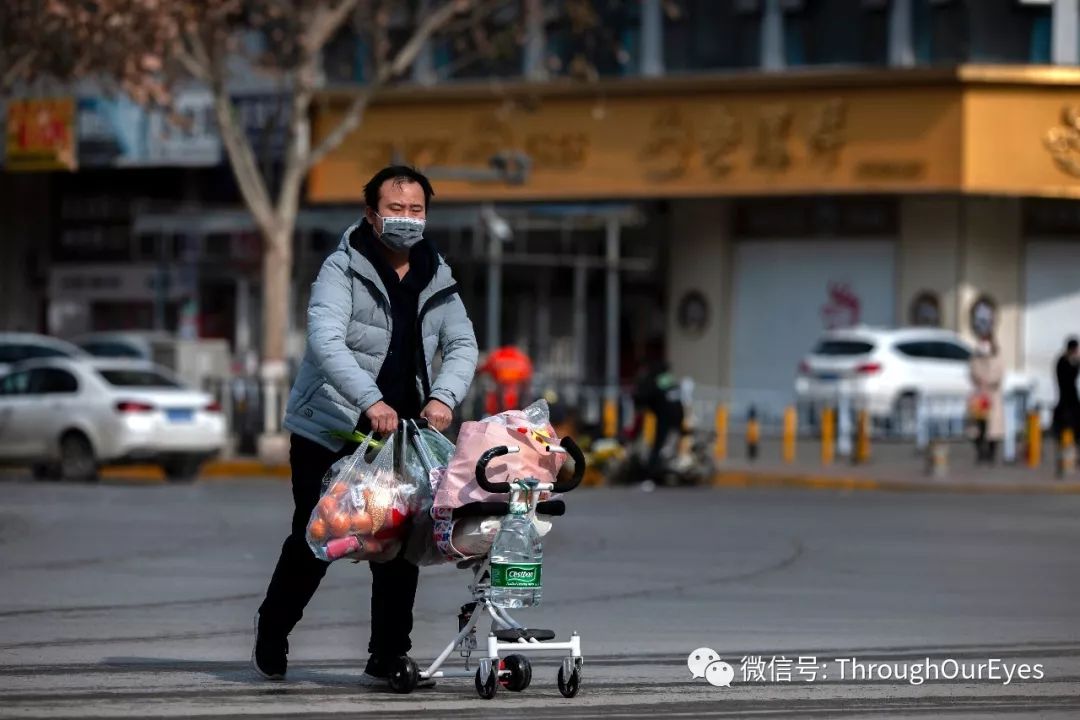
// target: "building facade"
[[716, 180], [775, 169]]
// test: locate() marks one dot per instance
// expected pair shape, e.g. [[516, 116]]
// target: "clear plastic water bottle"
[[516, 559]]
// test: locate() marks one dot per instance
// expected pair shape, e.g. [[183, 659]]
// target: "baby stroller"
[[512, 671]]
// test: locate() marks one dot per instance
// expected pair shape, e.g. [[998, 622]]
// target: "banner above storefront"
[[116, 132], [962, 130]]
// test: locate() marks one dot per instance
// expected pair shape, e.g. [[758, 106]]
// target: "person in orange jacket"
[[512, 371]]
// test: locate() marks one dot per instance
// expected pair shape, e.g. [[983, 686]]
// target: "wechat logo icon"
[[706, 663]]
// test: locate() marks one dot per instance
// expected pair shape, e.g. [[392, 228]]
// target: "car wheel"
[[77, 461], [182, 469]]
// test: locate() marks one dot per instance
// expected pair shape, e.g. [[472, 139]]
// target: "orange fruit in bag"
[[318, 529], [361, 523], [338, 490], [340, 524], [328, 506]]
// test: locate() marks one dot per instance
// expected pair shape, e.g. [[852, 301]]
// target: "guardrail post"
[[611, 418], [791, 421], [1066, 464], [862, 438], [828, 435], [843, 428], [922, 423], [753, 434], [1034, 439], [721, 424], [1008, 445]]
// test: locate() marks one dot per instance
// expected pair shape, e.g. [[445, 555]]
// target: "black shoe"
[[377, 674], [270, 656]]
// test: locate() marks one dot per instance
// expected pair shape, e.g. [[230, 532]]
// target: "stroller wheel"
[[487, 686], [519, 671], [405, 676], [569, 686]]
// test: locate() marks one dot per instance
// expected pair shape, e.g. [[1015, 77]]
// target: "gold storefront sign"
[[964, 132]]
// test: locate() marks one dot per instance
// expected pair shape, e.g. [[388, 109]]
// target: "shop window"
[[609, 46], [836, 32], [792, 218], [349, 57], [712, 35], [1052, 217], [983, 31], [496, 50]]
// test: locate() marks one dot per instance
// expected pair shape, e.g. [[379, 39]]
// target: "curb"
[[214, 470], [764, 479], [746, 479]]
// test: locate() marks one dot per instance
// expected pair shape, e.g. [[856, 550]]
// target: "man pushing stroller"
[[382, 305]]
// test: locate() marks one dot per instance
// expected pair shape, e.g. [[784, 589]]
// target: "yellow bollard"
[[611, 419], [828, 435], [790, 425], [1034, 433], [648, 428], [1066, 453], [862, 438], [753, 434], [720, 450]]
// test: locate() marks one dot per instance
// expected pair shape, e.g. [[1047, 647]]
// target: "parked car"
[[135, 344], [68, 416], [887, 372], [16, 347]]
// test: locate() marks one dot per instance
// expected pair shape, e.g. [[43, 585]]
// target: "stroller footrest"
[[515, 634]]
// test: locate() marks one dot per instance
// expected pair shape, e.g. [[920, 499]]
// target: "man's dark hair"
[[399, 174], [1072, 344]]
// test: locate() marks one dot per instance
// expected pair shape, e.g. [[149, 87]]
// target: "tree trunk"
[[276, 304]]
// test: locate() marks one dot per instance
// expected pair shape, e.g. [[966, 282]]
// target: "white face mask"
[[401, 233]]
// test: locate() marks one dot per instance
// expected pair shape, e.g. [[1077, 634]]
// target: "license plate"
[[828, 376], [180, 415]]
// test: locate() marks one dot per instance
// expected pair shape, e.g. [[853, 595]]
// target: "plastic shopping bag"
[[364, 509]]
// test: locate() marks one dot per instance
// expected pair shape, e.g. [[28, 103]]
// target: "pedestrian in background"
[[1067, 411], [987, 375]]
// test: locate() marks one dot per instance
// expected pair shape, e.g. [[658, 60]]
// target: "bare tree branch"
[[387, 72], [326, 24]]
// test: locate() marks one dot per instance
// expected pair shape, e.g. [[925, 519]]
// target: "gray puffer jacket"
[[348, 337]]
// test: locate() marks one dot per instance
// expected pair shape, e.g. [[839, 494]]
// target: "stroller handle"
[[501, 488], [496, 488], [574, 452]]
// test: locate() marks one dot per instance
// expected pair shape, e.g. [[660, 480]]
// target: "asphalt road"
[[136, 601]]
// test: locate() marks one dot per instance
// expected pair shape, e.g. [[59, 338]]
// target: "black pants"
[[298, 571], [985, 449]]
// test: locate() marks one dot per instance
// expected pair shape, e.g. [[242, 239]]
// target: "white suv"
[[887, 372]]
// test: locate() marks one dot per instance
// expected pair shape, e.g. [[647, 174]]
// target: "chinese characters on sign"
[[676, 139], [488, 138]]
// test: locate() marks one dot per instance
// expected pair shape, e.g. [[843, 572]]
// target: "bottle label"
[[515, 575]]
